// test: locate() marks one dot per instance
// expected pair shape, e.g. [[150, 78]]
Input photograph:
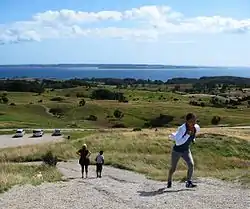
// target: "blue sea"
[[152, 74]]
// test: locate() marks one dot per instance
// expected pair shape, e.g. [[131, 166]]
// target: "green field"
[[142, 106]]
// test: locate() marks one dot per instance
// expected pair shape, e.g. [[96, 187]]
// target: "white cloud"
[[147, 23]]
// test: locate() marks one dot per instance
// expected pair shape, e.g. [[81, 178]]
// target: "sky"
[[174, 32]]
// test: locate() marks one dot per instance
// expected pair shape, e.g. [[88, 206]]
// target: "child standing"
[[99, 163]]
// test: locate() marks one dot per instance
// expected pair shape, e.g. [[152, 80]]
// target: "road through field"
[[27, 139]]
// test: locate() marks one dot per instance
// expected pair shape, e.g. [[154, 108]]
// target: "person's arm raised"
[[197, 128]]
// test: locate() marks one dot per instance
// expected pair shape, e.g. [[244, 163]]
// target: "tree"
[[177, 88], [215, 120], [118, 114], [4, 100], [82, 103]]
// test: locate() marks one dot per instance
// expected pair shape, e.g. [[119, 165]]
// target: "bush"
[[118, 114], [82, 103], [159, 121], [57, 99], [92, 118], [137, 129], [12, 104], [215, 120], [50, 159], [202, 104], [79, 94], [40, 101], [56, 111], [119, 125], [195, 103]]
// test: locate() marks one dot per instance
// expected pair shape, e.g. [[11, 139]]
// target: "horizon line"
[[120, 64]]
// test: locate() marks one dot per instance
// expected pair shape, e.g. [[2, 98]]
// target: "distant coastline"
[[106, 66], [152, 72]]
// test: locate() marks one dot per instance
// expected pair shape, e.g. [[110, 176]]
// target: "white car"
[[38, 133], [19, 133]]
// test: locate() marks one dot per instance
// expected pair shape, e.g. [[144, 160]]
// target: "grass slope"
[[148, 152]]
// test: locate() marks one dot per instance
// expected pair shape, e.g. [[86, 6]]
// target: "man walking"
[[184, 136]]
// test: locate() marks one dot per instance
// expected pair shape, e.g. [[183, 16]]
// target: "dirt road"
[[9, 141], [125, 190]]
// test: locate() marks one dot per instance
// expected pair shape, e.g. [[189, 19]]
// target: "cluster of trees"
[[212, 81], [105, 94], [64, 84], [21, 86], [213, 85], [203, 84]]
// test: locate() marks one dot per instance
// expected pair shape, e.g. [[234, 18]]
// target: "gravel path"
[[122, 189], [9, 141]]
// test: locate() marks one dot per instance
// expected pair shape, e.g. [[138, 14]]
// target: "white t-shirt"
[[179, 136], [99, 159]]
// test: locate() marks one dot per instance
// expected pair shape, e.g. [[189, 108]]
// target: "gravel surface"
[[9, 141], [122, 189]]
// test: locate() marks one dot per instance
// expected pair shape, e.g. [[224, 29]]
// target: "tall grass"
[[148, 152], [18, 174]]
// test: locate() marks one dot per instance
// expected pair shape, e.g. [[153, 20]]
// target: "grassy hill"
[[222, 153], [29, 110]]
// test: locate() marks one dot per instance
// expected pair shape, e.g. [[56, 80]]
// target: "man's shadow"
[[77, 178], [160, 191]]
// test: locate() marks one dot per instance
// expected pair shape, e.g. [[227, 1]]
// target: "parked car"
[[38, 133], [19, 133], [57, 132]]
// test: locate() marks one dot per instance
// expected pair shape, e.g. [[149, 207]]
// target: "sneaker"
[[189, 184], [169, 184]]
